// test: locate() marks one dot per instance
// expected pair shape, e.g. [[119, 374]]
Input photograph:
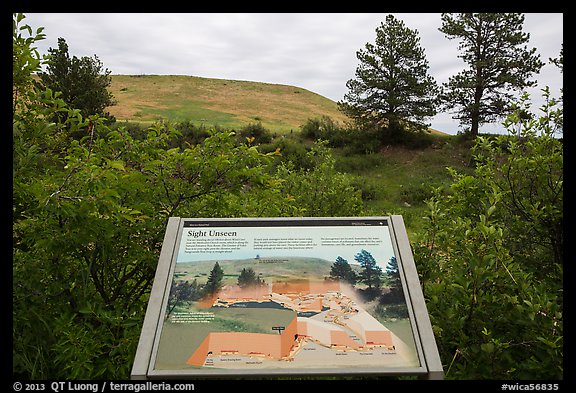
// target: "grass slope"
[[227, 103], [397, 180]]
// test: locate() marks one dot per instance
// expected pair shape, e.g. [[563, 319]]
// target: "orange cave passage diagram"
[[328, 327]]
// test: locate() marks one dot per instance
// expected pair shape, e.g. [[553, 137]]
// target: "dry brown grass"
[[217, 101]]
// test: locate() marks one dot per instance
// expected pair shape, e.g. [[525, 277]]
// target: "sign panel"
[[283, 296]]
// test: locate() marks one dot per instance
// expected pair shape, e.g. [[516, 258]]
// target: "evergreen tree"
[[248, 278], [82, 81], [395, 295], [559, 62], [393, 272], [392, 89], [341, 270], [182, 292], [371, 272], [499, 63], [214, 283]]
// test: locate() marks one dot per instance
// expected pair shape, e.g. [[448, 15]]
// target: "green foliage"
[[416, 194], [324, 128], [395, 295], [25, 57], [490, 264], [320, 191], [290, 150], [371, 272], [190, 134], [528, 167], [255, 133], [353, 139], [183, 291], [214, 283], [249, 278], [392, 269]]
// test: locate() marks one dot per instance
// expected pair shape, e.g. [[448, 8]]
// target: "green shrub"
[[416, 194], [256, 133], [89, 216], [321, 191], [319, 128], [190, 134], [489, 263], [291, 150], [368, 190]]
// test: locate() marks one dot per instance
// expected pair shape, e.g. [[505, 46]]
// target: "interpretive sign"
[[280, 296]]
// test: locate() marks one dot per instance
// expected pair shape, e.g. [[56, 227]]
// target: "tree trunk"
[[474, 127], [475, 113]]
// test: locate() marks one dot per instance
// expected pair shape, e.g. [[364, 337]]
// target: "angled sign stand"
[[286, 296]]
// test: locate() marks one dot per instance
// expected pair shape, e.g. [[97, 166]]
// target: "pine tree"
[[341, 270], [395, 295], [392, 90], [499, 63], [181, 292], [248, 278], [392, 271], [214, 283], [83, 81], [371, 272]]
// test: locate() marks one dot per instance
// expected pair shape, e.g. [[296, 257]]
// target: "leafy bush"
[[290, 149], [490, 265], [416, 194], [353, 140], [416, 140], [190, 134], [368, 190], [256, 133], [319, 128], [321, 191], [364, 140]]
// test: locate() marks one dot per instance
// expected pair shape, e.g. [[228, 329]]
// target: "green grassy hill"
[[227, 103]]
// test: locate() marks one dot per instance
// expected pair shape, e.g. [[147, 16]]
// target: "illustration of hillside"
[[272, 268]]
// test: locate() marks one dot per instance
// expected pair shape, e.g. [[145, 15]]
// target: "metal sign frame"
[[428, 366]]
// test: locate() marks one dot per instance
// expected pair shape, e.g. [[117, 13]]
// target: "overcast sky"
[[314, 51]]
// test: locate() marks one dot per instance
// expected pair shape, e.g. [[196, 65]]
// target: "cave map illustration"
[[281, 297]]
